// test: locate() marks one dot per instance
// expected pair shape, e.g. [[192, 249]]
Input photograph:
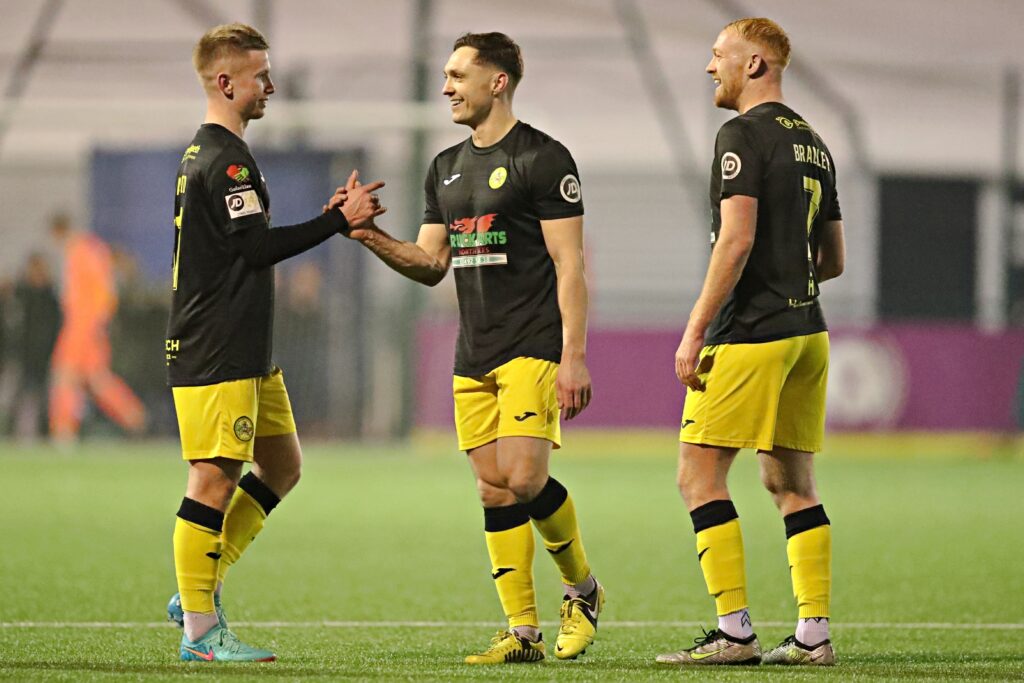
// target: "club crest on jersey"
[[570, 189], [731, 165], [244, 429], [238, 173], [498, 177]]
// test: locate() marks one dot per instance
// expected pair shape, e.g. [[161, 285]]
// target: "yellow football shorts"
[[515, 399], [221, 420], [760, 395]]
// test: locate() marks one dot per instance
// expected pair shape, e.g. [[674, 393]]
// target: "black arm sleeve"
[[262, 246]]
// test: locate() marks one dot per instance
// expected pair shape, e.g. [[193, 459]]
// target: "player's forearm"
[[828, 266], [262, 247], [573, 302], [406, 258], [831, 256], [827, 271], [727, 261]]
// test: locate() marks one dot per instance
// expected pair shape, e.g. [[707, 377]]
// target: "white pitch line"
[[941, 626]]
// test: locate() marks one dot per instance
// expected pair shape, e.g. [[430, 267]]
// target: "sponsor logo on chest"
[[473, 240]]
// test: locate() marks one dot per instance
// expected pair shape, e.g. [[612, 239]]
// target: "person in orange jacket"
[[81, 358]]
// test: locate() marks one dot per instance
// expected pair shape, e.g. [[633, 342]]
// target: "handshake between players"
[[359, 203]]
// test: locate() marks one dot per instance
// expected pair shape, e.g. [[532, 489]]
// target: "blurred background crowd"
[[920, 104]]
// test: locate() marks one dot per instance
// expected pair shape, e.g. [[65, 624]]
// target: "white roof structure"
[[893, 86]]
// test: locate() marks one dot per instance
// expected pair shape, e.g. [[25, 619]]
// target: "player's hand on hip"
[[573, 387], [362, 204], [687, 358]]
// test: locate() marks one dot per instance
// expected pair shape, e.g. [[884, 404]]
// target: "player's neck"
[[226, 119], [496, 126], [752, 98]]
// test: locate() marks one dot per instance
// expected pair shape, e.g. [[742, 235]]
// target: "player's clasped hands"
[[360, 203]]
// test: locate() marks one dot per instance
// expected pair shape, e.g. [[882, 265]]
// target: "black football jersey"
[[222, 309], [492, 200], [772, 154]]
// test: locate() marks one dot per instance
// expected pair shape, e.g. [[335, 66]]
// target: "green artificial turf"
[[375, 568]]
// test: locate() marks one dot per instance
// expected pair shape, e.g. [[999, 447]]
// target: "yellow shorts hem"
[[470, 444], [758, 445], [477, 442], [724, 443], [215, 453], [805, 447], [555, 442]]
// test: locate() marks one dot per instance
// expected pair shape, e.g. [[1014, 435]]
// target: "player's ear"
[[499, 83], [756, 66], [225, 85]]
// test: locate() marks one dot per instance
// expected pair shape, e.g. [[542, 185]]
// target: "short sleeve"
[[232, 182], [554, 183], [738, 161], [431, 210]]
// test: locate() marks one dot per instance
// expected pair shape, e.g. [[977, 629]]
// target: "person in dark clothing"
[[38, 322]]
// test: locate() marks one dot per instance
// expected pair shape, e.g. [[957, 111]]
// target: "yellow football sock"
[[809, 548], [720, 553], [554, 515], [510, 546], [245, 517], [197, 552], [243, 520]]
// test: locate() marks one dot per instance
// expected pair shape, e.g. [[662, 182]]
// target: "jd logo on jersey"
[[475, 231], [731, 165], [238, 173], [570, 189]]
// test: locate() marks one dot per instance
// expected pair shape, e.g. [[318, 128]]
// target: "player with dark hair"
[[231, 400], [504, 209], [754, 356]]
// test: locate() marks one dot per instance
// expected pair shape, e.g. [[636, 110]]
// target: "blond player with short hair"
[[754, 356], [230, 398]]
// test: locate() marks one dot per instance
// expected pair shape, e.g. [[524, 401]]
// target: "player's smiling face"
[[251, 83], [729, 57], [469, 87]]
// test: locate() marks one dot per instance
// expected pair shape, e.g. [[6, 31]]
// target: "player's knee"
[[697, 489], [493, 494], [687, 483], [527, 485], [771, 482], [213, 492], [293, 476], [781, 486]]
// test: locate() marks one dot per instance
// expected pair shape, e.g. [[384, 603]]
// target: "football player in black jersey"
[[504, 210], [231, 401], [754, 356]]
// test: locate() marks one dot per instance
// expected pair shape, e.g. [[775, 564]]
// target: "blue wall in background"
[[132, 197]]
